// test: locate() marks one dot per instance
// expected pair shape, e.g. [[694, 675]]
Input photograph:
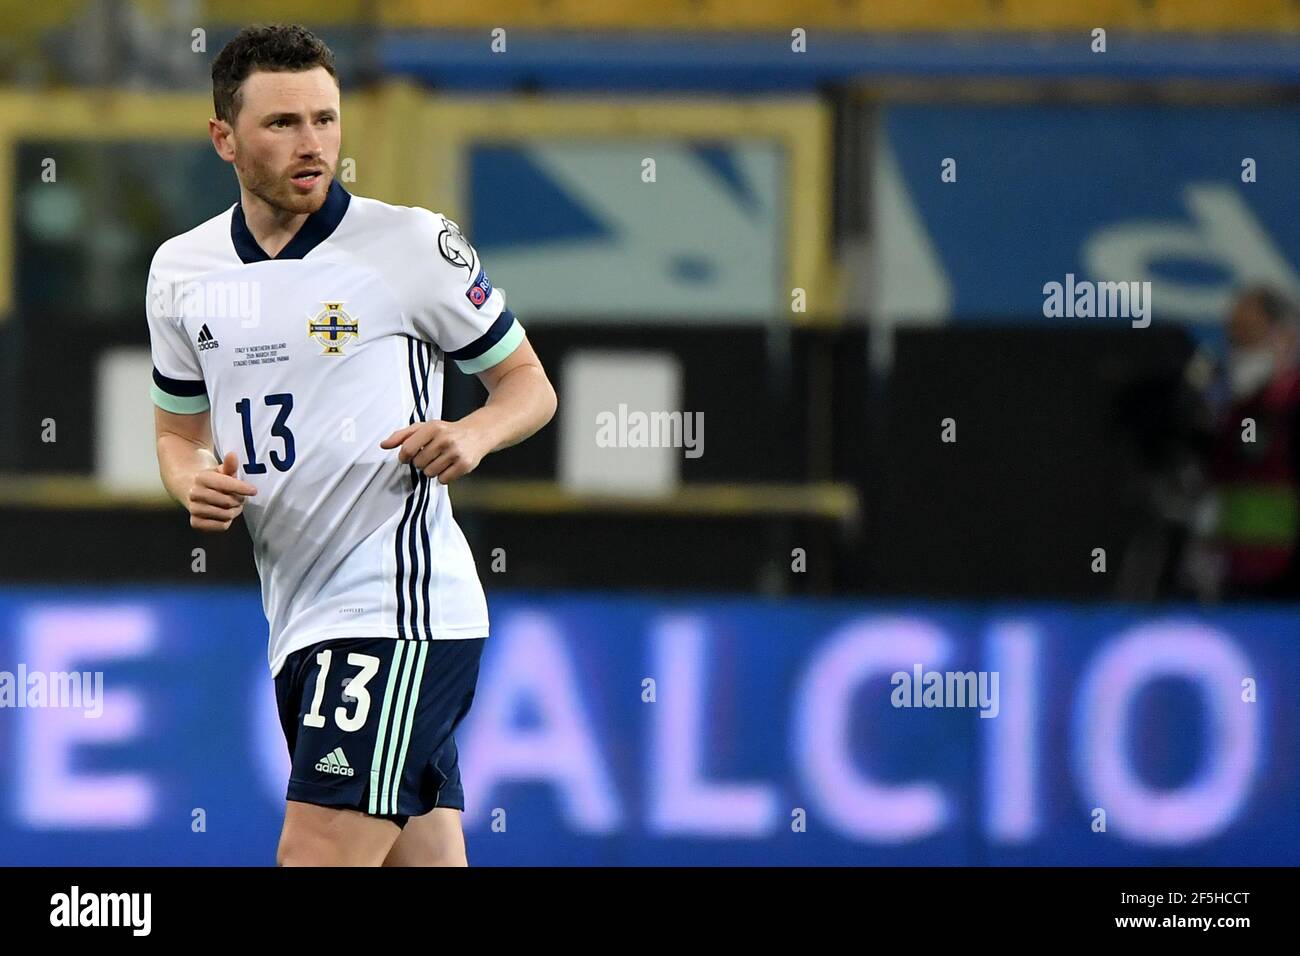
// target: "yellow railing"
[[24, 20], [412, 148], [828, 501]]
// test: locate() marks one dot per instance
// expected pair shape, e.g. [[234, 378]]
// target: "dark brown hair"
[[279, 48]]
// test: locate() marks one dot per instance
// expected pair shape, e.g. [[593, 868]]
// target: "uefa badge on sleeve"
[[482, 288]]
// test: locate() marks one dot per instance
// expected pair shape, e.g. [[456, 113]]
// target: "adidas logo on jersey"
[[206, 339], [335, 762]]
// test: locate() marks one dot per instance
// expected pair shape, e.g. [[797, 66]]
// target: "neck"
[[271, 226]]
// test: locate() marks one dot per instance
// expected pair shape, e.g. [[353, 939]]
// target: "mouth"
[[307, 178]]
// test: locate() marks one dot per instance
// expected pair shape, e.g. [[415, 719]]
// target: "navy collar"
[[316, 229]]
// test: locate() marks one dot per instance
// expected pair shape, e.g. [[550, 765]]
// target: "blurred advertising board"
[[631, 730]]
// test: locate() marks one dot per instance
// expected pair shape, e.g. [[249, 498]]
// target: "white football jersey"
[[307, 361]]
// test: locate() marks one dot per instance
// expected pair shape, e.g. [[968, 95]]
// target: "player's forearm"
[[179, 459], [522, 402]]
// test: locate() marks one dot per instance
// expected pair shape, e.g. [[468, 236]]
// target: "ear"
[[221, 133]]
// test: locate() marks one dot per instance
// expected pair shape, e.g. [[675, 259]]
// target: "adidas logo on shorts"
[[334, 762]]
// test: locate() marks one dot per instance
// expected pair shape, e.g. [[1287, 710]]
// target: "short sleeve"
[[177, 377], [459, 309]]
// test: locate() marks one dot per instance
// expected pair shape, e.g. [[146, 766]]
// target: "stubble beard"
[[277, 191]]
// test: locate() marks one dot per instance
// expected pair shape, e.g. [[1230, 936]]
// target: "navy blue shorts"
[[369, 722]]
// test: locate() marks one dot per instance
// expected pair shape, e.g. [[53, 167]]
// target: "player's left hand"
[[442, 450]]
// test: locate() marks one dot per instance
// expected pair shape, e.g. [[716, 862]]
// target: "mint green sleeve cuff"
[[497, 353], [179, 404]]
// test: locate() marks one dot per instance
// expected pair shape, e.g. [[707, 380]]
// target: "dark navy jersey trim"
[[412, 539], [318, 227], [426, 364], [403, 527], [488, 339], [179, 387], [421, 491]]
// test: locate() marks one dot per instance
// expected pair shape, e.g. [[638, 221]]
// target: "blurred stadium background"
[[801, 272]]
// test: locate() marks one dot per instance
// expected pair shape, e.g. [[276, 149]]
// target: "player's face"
[[286, 137]]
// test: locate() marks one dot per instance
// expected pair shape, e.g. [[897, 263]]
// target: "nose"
[[309, 145]]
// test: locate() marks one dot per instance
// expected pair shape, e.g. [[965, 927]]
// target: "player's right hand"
[[216, 497]]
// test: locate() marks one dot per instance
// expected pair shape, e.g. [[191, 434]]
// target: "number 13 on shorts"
[[355, 689]]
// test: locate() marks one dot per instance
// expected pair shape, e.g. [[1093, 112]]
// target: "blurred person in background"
[[1254, 460]]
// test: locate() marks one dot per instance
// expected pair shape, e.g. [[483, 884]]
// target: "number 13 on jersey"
[[279, 429]]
